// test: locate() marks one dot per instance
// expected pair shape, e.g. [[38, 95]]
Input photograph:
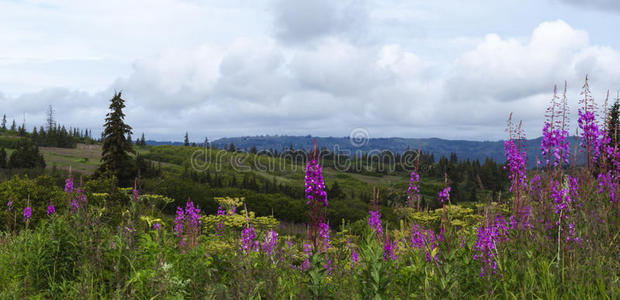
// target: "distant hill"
[[438, 147]]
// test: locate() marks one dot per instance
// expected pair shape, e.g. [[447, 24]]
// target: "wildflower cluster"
[[187, 223], [425, 240], [487, 242]]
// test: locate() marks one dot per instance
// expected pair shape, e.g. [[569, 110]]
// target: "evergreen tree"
[[206, 145], [26, 156], [3, 123], [13, 126], [2, 158], [115, 157], [129, 140], [186, 143], [142, 140]]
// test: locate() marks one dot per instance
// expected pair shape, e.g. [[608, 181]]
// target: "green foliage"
[[26, 156]]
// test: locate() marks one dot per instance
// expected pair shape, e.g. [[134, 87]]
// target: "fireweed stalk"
[[554, 145], [414, 189], [516, 163], [317, 199], [591, 137]]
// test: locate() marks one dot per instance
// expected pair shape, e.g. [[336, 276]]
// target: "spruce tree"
[[186, 143], [13, 126], [115, 159], [142, 140], [3, 123]]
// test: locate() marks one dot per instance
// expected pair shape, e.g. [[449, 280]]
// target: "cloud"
[[305, 20], [307, 67], [596, 4]]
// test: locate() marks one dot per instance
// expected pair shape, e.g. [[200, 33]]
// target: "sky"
[[448, 68]]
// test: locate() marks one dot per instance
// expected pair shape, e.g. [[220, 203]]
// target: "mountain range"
[[438, 147]]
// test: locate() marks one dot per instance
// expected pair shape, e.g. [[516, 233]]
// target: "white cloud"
[[320, 68]]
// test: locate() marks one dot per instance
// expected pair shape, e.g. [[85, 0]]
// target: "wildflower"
[[487, 242], [444, 195], [354, 258], [178, 222], [51, 209], [424, 240], [315, 187], [515, 163], [9, 205], [389, 250], [75, 204], [192, 214], [414, 189], [271, 240], [157, 226], [69, 185], [221, 211], [591, 136], [324, 235], [248, 235], [375, 222], [27, 213], [607, 182]]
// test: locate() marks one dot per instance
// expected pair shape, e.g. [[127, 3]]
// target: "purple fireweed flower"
[[444, 195], [554, 146], [271, 241], [80, 195], [375, 222], [75, 204], [248, 236], [69, 185], [515, 164], [315, 187], [591, 136], [178, 222], [487, 242], [535, 188], [305, 266], [324, 235], [51, 209], [9, 205], [192, 214], [220, 225], [27, 213], [355, 258], [564, 198], [414, 189], [425, 240], [221, 211], [389, 250], [608, 182], [157, 226]]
